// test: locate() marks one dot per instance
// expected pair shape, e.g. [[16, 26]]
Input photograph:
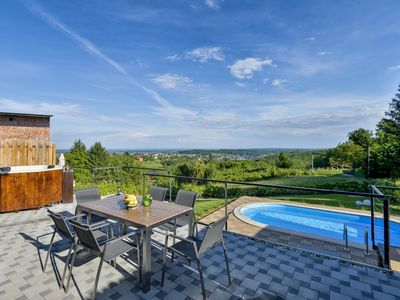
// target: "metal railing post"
[[170, 186], [366, 241], [386, 228], [345, 237], [226, 203], [143, 183], [119, 189], [373, 219]]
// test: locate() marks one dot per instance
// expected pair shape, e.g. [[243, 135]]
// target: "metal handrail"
[[286, 187]]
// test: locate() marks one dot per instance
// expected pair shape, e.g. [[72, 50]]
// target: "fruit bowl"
[[131, 202], [131, 206]]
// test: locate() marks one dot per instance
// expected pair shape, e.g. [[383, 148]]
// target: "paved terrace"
[[258, 268]]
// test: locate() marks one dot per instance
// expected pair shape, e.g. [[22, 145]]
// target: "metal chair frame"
[[96, 250], [61, 227], [212, 237]]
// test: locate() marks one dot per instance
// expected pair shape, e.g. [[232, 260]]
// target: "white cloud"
[[394, 68], [171, 81], [265, 80], [214, 4], [311, 38], [11, 105], [278, 82], [244, 68], [323, 53], [205, 54], [172, 58], [240, 84]]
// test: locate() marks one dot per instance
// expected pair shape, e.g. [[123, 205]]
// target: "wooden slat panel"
[[26, 152]]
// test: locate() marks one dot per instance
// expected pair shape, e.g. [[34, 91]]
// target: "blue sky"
[[200, 73]]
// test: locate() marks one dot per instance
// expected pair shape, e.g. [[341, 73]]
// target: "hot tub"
[[27, 187]]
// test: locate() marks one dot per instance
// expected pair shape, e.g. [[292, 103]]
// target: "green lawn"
[[204, 207]]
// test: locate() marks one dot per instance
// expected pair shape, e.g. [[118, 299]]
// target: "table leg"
[[146, 260]]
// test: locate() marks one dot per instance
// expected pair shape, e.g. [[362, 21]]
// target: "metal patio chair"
[[185, 198], [193, 248], [64, 230], [86, 195], [107, 250], [158, 193]]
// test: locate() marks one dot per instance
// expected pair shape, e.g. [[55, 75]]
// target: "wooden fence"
[[14, 152]]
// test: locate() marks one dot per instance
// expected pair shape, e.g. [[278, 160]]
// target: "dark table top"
[[113, 208]]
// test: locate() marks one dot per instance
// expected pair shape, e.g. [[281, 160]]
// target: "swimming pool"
[[317, 222]]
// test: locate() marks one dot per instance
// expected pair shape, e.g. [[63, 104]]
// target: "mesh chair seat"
[[117, 248], [185, 248]]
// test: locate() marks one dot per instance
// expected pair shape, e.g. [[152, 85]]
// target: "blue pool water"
[[319, 222]]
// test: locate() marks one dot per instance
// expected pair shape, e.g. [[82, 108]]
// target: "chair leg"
[[70, 269], [164, 266], [96, 282], [48, 251], [226, 261], [173, 241], [203, 290], [66, 264]]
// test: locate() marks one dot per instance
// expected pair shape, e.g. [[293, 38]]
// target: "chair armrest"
[[180, 238], [111, 241], [99, 225], [75, 217], [201, 223]]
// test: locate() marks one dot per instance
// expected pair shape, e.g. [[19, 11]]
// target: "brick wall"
[[22, 127]]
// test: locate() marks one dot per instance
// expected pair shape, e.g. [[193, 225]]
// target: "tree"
[[391, 124], [283, 161], [346, 155], [78, 159], [98, 156], [362, 137], [77, 156]]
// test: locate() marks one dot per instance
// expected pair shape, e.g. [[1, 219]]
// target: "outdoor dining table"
[[143, 218]]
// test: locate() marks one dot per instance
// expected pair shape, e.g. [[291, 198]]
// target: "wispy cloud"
[[323, 53], [214, 4], [171, 81], [173, 57], [12, 105], [394, 67], [244, 68], [311, 38], [278, 82], [241, 84], [205, 54], [265, 80], [90, 48]]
